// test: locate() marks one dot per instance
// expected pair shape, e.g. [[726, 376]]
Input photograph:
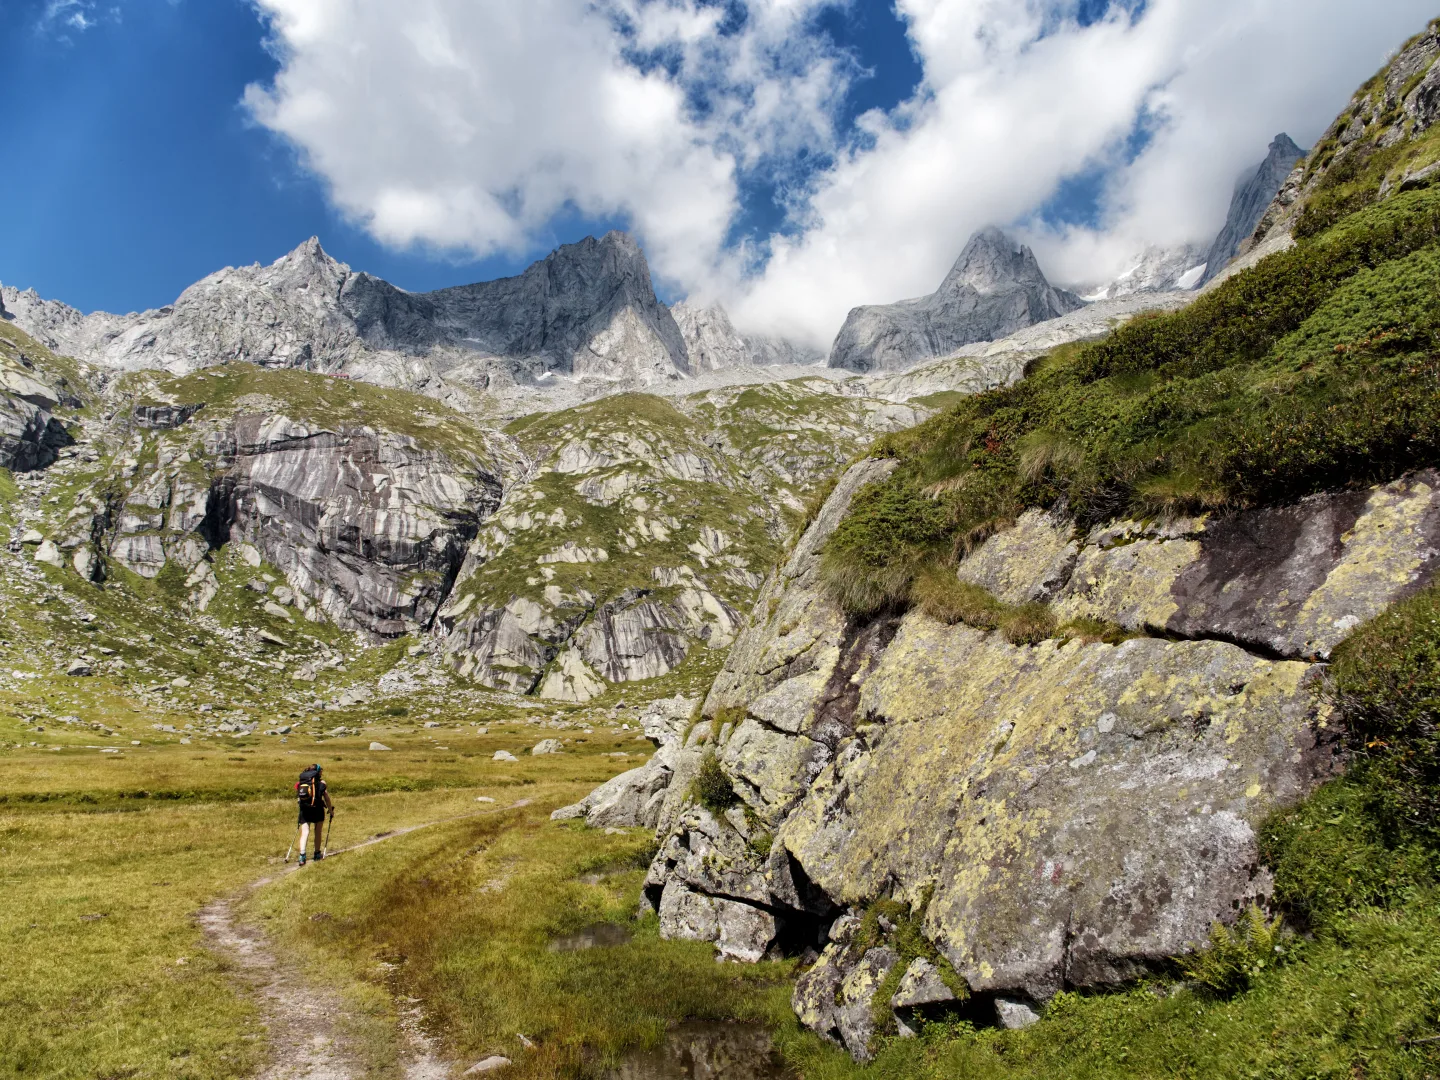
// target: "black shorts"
[[311, 815]]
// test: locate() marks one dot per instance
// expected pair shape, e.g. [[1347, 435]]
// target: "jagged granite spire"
[[995, 288], [1252, 196]]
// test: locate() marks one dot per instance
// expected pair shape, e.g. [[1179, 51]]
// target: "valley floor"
[[164, 937]]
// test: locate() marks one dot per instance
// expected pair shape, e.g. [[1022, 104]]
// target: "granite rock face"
[[1063, 815], [994, 289], [588, 310], [364, 523], [368, 529], [1253, 196], [31, 436], [713, 344]]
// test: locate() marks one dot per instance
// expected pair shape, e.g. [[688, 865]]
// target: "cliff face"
[[1253, 195], [1062, 814], [994, 289]]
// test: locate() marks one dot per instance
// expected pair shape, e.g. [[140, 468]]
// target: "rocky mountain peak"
[[992, 262], [1253, 194], [995, 288]]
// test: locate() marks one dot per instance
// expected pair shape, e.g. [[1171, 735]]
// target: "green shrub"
[[1235, 954], [891, 531], [1385, 680], [711, 788]]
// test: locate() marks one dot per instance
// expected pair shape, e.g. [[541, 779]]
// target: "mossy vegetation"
[[1314, 370], [712, 788]]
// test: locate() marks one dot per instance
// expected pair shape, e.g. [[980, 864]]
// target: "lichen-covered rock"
[[1079, 810], [921, 985], [1292, 581], [1031, 561], [835, 998]]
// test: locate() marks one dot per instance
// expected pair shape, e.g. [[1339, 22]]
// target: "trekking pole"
[[329, 827]]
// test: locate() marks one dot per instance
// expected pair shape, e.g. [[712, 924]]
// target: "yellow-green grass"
[[108, 995], [461, 917]]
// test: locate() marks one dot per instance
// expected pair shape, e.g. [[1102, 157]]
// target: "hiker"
[[314, 801]]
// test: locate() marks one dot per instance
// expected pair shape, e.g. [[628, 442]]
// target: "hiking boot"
[[302, 858], [318, 856]]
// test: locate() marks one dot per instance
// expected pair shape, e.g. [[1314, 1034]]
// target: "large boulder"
[[1067, 814]]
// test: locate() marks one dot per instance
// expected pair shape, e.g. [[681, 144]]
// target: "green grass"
[[133, 992], [1314, 370], [462, 919]]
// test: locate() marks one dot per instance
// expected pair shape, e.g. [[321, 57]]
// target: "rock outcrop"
[[994, 289], [367, 527], [1062, 815], [1253, 195], [640, 531], [31, 435]]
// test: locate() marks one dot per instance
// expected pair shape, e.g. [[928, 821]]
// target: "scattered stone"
[[504, 755], [432, 723], [271, 639], [378, 746], [48, 553], [547, 746], [78, 668], [181, 683], [483, 798], [1013, 1013], [31, 537], [275, 611], [490, 1064]]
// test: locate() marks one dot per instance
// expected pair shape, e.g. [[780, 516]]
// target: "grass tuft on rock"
[[712, 788]]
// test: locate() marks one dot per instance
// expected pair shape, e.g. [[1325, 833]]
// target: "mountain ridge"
[[994, 288]]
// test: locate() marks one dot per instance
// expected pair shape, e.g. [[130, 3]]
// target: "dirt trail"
[[306, 1023]]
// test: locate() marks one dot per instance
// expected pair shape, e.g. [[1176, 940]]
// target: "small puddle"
[[703, 1050], [599, 936]]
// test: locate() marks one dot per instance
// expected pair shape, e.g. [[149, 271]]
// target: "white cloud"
[[469, 124]]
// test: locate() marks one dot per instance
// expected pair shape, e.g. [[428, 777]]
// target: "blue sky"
[[790, 158], [142, 173]]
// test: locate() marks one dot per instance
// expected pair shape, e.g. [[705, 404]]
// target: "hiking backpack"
[[307, 788]]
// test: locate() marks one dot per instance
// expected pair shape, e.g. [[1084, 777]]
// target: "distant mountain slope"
[[1252, 196], [713, 344], [995, 288], [587, 312]]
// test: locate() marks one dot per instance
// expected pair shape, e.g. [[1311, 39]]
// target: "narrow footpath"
[[306, 1024]]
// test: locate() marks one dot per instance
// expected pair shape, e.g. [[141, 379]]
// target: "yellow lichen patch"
[[1034, 785], [1382, 554]]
